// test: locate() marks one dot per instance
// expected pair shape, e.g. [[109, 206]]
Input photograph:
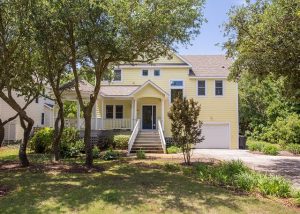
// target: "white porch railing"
[[133, 135], [100, 124], [162, 137]]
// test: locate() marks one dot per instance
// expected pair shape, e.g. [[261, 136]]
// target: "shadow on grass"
[[125, 185]]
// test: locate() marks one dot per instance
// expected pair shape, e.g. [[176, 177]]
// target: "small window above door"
[[145, 72]]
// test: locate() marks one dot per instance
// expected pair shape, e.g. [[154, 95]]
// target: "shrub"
[[121, 141], [140, 154], [173, 150], [293, 148], [42, 140], [270, 149], [255, 145], [245, 181], [283, 130], [73, 149], [96, 152], [274, 185], [297, 198], [111, 155], [70, 144]]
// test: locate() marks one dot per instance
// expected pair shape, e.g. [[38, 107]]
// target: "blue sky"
[[211, 32]]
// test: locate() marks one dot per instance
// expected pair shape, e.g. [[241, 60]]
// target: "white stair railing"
[[162, 137], [133, 135]]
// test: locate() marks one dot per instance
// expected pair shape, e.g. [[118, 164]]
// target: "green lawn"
[[124, 186]]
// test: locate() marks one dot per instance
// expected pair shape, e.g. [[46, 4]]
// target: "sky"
[[215, 12]]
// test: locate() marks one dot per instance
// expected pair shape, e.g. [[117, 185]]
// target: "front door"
[[149, 117]]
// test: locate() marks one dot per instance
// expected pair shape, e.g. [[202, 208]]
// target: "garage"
[[217, 136]]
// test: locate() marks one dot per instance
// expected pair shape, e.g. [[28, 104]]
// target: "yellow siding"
[[222, 109]]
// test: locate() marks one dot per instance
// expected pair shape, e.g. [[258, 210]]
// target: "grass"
[[125, 186]]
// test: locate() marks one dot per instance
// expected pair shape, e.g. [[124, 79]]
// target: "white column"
[[135, 111], [95, 115], [132, 112], [102, 113], [163, 113], [78, 115]]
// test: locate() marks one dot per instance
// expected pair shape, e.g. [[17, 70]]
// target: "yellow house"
[[140, 95]]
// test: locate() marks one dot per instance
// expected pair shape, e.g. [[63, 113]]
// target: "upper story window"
[[117, 75], [145, 73], [219, 87], [156, 72], [109, 112], [176, 89], [201, 88], [119, 112]]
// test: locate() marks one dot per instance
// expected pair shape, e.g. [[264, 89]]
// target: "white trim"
[[223, 88], [115, 81], [208, 77], [106, 111], [145, 84], [197, 92], [152, 117], [145, 70], [123, 108], [114, 111]]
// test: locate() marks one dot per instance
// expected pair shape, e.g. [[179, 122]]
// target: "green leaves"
[[263, 37]]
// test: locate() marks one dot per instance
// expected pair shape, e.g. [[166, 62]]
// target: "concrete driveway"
[[287, 166]]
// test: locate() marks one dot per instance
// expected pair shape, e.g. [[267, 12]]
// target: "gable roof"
[[117, 90], [208, 65], [84, 86], [149, 82]]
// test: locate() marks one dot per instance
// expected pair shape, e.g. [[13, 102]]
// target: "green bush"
[[121, 141], [245, 181], [111, 155], [96, 152], [284, 130], [173, 150], [270, 149], [140, 154], [70, 144], [41, 142], [274, 185], [172, 167], [255, 145], [293, 148]]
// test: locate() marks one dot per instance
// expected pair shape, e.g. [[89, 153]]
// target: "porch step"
[[148, 141]]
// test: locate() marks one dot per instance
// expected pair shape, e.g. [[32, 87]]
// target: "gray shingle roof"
[[208, 65], [118, 90]]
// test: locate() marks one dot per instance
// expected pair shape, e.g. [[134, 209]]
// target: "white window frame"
[[205, 88], [145, 70], [115, 111], [121, 75], [223, 86], [176, 87], [156, 70], [112, 111]]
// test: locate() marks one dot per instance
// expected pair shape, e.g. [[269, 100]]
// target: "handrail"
[[133, 135], [162, 137]]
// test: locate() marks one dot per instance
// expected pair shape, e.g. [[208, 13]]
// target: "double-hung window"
[[201, 88], [119, 112], [176, 89], [109, 112], [219, 87], [117, 75]]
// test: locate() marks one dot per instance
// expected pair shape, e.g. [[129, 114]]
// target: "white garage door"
[[217, 136]]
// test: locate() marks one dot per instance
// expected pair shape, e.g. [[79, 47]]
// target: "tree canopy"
[[263, 38]]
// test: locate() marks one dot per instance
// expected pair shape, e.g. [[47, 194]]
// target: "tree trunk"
[[87, 140], [2, 132], [58, 131], [23, 146]]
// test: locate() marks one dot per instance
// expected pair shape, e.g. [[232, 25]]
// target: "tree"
[[18, 75], [51, 58], [185, 125], [263, 38], [101, 34]]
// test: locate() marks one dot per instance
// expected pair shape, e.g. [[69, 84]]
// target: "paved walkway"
[[287, 166]]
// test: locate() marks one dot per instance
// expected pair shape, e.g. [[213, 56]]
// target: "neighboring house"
[[40, 110], [140, 96]]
